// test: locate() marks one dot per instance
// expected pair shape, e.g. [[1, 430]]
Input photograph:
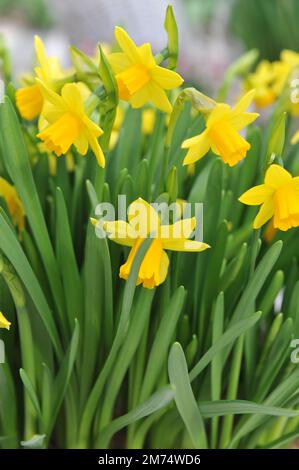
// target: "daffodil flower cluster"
[[69, 112]]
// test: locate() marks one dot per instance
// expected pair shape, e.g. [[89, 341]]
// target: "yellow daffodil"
[[29, 99], [291, 58], [69, 123], [13, 202], [279, 196], [221, 133], [144, 220], [268, 81], [4, 323], [140, 80]]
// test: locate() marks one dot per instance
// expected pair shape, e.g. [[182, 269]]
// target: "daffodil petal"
[[243, 103], [50, 95], [256, 195], [264, 214], [98, 152], [140, 98], [41, 54], [158, 97], [146, 55], [165, 78], [143, 218], [219, 112], [4, 323], [120, 232], [118, 61], [277, 176], [127, 44], [295, 182], [71, 95], [81, 143], [239, 121], [184, 245], [180, 229], [198, 148]]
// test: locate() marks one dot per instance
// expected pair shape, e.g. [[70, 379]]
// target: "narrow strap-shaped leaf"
[[62, 379], [184, 398], [13, 251], [31, 392], [91, 405], [162, 341], [228, 338], [156, 402], [17, 163]]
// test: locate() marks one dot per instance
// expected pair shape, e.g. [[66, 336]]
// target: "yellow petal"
[[72, 96], [41, 55], [198, 148], [256, 195], [51, 96], [140, 98], [96, 148], [118, 62], [81, 143], [165, 78], [184, 245], [277, 176], [143, 218], [120, 232], [127, 44], [295, 182], [243, 103], [239, 121], [4, 323], [147, 58], [180, 229], [219, 112], [264, 214], [158, 97]]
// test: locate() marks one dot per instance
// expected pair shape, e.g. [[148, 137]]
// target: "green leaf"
[[244, 307], [17, 163], [241, 407], [281, 393], [62, 379], [31, 392], [140, 318], [156, 402], [67, 262], [184, 398], [122, 329], [227, 339], [162, 341], [13, 251]]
